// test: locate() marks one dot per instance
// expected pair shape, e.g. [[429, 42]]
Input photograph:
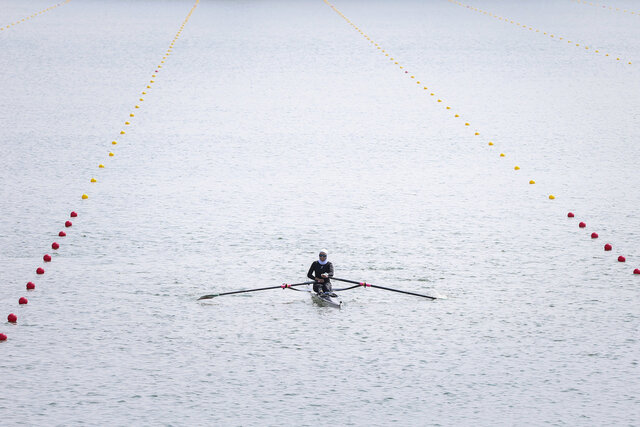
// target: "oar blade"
[[208, 296]]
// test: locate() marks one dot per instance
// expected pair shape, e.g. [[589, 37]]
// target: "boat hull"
[[326, 300]]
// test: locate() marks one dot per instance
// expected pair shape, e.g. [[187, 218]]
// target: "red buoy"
[[636, 271], [40, 270], [582, 225], [73, 214], [570, 215], [68, 224], [55, 246], [23, 300], [608, 247], [12, 318], [3, 337], [621, 259], [31, 286], [46, 258], [62, 234], [594, 235]]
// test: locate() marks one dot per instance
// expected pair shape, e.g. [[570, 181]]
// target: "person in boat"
[[321, 271]]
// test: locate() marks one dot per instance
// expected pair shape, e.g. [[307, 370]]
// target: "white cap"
[[323, 251]]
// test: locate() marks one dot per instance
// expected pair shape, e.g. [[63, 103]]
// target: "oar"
[[283, 286], [369, 285]]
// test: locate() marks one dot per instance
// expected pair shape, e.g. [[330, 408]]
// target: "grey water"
[[275, 129]]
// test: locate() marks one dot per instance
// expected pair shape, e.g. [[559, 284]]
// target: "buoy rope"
[[425, 89], [6, 27], [602, 6], [12, 318], [529, 28]]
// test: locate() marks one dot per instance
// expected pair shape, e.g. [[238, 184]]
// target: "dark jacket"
[[316, 270]]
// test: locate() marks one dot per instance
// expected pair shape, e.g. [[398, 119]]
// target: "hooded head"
[[322, 257]]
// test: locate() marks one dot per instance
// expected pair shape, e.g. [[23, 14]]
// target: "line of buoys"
[[607, 247], [405, 72], [12, 318], [527, 27], [601, 6], [4, 27], [391, 58]]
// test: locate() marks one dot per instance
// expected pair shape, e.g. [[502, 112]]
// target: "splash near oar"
[[283, 286], [369, 285]]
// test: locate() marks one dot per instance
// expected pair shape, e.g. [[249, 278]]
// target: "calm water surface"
[[275, 129]]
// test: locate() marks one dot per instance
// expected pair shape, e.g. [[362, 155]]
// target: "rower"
[[321, 271]]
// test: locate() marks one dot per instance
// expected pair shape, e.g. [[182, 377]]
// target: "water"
[[275, 129]]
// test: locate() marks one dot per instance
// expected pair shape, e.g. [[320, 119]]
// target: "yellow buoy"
[[517, 168], [121, 132], [457, 115], [101, 166], [466, 124], [93, 180], [131, 115], [84, 196], [111, 154], [532, 182], [141, 99], [501, 154], [114, 142], [490, 143], [137, 106], [477, 133], [127, 123], [551, 197]]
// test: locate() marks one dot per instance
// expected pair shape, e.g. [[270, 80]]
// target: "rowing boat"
[[326, 300]]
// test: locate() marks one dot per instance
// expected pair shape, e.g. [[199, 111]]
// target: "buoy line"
[[425, 89], [33, 15], [527, 27], [602, 6], [12, 318]]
